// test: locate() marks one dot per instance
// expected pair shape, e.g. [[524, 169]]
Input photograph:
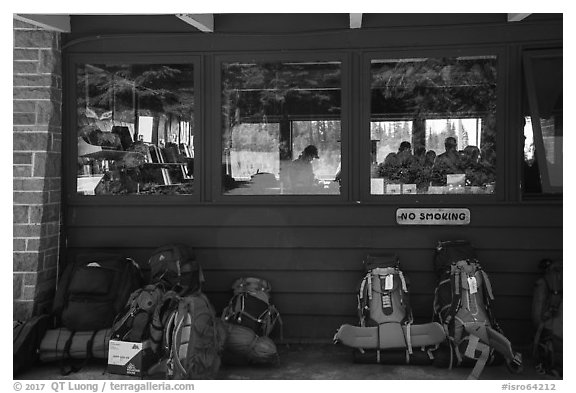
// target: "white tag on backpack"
[[472, 284], [389, 282]]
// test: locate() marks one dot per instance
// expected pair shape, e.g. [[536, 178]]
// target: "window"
[[281, 128], [543, 130], [135, 129], [432, 125]]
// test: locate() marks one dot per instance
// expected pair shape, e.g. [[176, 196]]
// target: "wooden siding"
[[313, 255]]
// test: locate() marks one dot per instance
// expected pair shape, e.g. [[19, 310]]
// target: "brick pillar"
[[37, 137]]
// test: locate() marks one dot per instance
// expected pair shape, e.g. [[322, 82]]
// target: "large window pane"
[[543, 131], [281, 128], [135, 129], [432, 125]]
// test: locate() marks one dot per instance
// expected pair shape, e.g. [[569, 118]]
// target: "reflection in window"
[[135, 129], [281, 128], [433, 126], [543, 130]]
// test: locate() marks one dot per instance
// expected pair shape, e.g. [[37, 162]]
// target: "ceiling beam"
[[355, 21], [516, 17], [203, 22], [52, 22]]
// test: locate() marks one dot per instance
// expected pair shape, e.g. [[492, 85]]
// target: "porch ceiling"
[[248, 23]]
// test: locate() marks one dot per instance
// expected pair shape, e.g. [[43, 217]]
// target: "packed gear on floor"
[[462, 304], [547, 318], [386, 331], [250, 318]]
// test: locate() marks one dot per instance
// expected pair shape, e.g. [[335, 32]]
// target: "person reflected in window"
[[400, 167], [470, 164], [301, 178], [446, 163]]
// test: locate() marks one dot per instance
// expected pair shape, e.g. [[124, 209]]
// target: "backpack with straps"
[[93, 289], [193, 337], [462, 303], [175, 266], [383, 295], [26, 341], [251, 306], [134, 322], [386, 333], [547, 319]]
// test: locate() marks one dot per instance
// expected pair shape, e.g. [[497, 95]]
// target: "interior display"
[[135, 129], [433, 125]]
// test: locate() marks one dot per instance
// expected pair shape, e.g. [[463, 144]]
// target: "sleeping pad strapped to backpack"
[[386, 333], [547, 319], [462, 304], [250, 317]]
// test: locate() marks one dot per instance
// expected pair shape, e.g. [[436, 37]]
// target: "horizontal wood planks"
[[313, 255]]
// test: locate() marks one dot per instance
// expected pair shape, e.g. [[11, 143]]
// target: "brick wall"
[[37, 127]]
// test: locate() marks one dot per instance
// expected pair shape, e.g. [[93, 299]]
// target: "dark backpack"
[[27, 337], [462, 303], [93, 289], [193, 338], [133, 324], [547, 318], [251, 306], [175, 266]]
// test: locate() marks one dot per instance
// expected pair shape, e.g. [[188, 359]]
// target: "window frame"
[[70, 142], [216, 136], [548, 190], [501, 107]]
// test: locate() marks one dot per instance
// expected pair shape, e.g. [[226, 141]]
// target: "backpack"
[[251, 306], [134, 323], [547, 319], [383, 293], [93, 289], [193, 337], [26, 341], [386, 333], [462, 304], [175, 266]]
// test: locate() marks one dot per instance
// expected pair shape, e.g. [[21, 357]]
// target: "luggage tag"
[[472, 285], [389, 282]]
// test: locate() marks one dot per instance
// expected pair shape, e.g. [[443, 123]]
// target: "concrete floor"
[[308, 362]]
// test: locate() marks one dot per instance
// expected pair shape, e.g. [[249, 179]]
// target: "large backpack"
[[547, 319], [386, 333], [462, 303], [175, 266], [26, 341], [93, 289], [193, 337], [134, 323], [250, 317], [383, 294], [251, 306]]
